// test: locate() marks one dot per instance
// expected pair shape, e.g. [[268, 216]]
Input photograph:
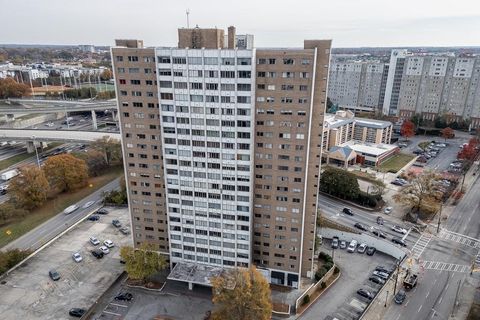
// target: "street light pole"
[[386, 298]]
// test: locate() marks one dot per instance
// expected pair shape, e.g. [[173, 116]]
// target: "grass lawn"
[[4, 164], [54, 206], [396, 162]]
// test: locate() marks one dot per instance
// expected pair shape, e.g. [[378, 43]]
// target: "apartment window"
[[271, 61], [194, 60], [261, 74], [288, 74], [132, 58], [244, 61], [228, 61], [121, 70], [303, 88], [244, 74], [163, 59], [210, 61], [165, 84], [288, 61], [304, 75], [164, 72], [262, 61], [243, 86], [243, 99], [179, 60], [119, 58], [133, 70]]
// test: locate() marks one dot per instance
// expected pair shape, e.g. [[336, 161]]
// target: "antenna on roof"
[[188, 20]]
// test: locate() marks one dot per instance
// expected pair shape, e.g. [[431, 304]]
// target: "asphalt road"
[[434, 296], [333, 210], [54, 226]]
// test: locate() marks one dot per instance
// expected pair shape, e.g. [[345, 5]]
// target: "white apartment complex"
[[207, 121]]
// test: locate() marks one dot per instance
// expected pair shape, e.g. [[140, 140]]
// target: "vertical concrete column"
[[94, 120], [190, 286], [30, 147]]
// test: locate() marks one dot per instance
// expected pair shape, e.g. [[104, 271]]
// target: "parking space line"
[[112, 313], [118, 305]]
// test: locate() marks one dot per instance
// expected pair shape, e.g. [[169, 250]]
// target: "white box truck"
[[7, 175]]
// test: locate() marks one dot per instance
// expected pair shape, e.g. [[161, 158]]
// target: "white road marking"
[[113, 313], [118, 305], [420, 308]]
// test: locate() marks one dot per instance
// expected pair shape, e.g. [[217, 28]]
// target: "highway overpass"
[[15, 106], [54, 135]]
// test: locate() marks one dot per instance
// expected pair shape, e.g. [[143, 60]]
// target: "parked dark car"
[[376, 280], [380, 220], [371, 251], [348, 211], [360, 226], [335, 243], [97, 253], [383, 269], [399, 241], [400, 297], [76, 312], [126, 296], [102, 211], [54, 275], [365, 293], [117, 223], [94, 218], [125, 230]]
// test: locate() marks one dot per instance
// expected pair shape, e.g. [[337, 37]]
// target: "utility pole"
[[188, 18], [386, 298], [439, 217]]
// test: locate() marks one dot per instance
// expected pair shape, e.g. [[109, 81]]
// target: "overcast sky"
[[350, 23]]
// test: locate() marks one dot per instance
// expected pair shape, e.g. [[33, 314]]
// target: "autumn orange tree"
[[447, 133], [241, 294], [65, 172], [29, 189], [9, 88], [407, 130]]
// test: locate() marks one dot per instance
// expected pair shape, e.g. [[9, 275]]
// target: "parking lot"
[[342, 301], [29, 293], [173, 302]]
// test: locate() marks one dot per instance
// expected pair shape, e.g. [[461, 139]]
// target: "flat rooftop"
[[194, 273], [369, 148]]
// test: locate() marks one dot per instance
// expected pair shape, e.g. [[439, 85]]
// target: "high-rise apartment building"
[[357, 85], [222, 146]]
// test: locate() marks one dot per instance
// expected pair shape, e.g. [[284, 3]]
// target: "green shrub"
[[336, 270], [306, 299], [323, 285]]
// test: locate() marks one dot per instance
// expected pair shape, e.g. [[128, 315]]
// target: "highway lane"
[[333, 210], [54, 226], [443, 285]]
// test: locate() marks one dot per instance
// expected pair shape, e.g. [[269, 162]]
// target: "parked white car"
[[352, 246], [77, 257], [104, 249], [108, 243], [388, 210], [94, 241]]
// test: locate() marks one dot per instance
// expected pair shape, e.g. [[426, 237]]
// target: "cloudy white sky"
[[350, 23]]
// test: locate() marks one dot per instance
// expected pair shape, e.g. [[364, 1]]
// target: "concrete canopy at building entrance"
[[194, 273]]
